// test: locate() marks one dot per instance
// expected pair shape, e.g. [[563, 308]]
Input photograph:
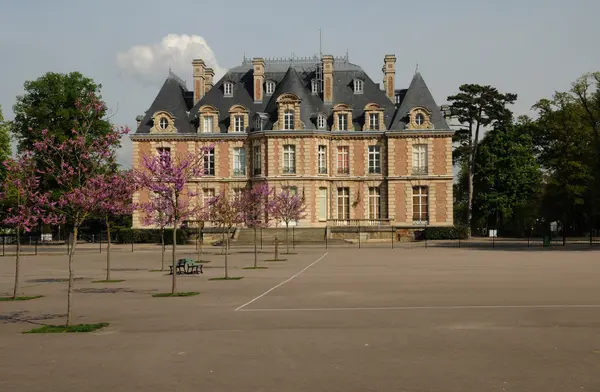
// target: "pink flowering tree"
[[287, 208], [30, 206], [78, 165], [157, 212], [114, 196], [224, 212], [254, 207], [166, 177]]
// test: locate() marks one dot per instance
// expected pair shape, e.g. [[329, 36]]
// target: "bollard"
[[3, 244], [326, 238], [359, 236], [261, 238], [293, 238], [493, 241], [132, 243], [36, 245], [392, 237]]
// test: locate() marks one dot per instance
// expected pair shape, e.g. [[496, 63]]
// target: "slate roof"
[[174, 98], [418, 95], [291, 77]]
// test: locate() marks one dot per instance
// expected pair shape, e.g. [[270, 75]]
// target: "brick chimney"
[[389, 75], [209, 74], [327, 61], [259, 78], [199, 79]]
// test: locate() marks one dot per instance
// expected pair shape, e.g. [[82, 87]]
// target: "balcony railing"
[[289, 170], [322, 170], [239, 172], [343, 170], [420, 170], [358, 222]]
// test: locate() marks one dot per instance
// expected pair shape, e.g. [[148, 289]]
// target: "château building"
[[356, 152]]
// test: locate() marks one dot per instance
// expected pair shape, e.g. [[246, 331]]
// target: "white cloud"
[[150, 63]]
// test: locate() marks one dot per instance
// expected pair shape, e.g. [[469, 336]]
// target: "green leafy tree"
[[475, 108], [51, 103], [508, 180], [565, 144]]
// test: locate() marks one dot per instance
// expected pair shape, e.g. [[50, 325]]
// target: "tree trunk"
[[174, 263], [255, 250], [226, 252], [276, 246], [108, 249], [469, 201], [71, 272], [162, 256], [17, 265], [198, 244], [287, 242]]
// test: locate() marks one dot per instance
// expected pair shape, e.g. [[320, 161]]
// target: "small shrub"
[[20, 298], [68, 328], [186, 294], [445, 233], [150, 236]]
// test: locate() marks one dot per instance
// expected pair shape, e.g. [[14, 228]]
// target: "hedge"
[[149, 236], [445, 233]]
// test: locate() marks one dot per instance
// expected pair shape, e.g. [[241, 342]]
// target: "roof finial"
[[417, 67]]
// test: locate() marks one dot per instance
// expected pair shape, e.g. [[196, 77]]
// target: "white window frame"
[[358, 86], [270, 87], [209, 162], [289, 159], [239, 161], [343, 203], [420, 217], [257, 160], [208, 124], [163, 123], [374, 203], [342, 121], [288, 119], [374, 121], [321, 121], [322, 159], [374, 159], [207, 195], [419, 158], [238, 123], [228, 89], [420, 116], [343, 151]]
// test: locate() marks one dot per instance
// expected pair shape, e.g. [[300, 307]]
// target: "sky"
[[532, 48]]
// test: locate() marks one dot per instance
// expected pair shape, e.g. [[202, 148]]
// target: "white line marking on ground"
[[282, 283], [424, 307]]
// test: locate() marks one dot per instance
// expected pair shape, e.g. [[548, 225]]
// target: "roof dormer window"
[[163, 123], [321, 121], [228, 89], [397, 99], [358, 86], [314, 87], [270, 87]]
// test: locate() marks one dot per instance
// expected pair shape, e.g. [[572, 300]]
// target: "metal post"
[[528, 239], [591, 233], [359, 236], [392, 237], [132, 243], [564, 238], [36, 244], [3, 243], [261, 239], [493, 241], [293, 238], [100, 242], [326, 235]]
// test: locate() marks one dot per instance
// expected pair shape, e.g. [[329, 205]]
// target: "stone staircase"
[[300, 235]]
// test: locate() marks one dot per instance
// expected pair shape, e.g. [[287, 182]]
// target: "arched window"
[[163, 123]]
